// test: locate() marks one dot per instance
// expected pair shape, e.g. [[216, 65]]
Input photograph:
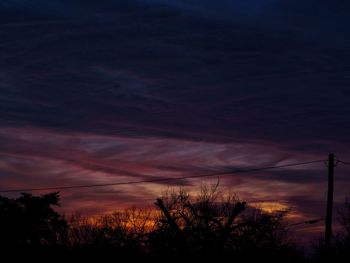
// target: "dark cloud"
[[145, 72]]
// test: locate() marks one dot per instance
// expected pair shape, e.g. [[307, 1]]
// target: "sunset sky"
[[95, 92]]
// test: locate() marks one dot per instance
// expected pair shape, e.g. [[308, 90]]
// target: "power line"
[[161, 179], [347, 163], [308, 222]]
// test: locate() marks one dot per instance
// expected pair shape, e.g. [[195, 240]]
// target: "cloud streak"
[[32, 158]]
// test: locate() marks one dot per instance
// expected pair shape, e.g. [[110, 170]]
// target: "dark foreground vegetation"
[[181, 227]]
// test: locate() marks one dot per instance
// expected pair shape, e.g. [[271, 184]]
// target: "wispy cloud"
[[32, 158]]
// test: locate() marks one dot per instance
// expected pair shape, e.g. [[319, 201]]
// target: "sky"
[[118, 91]]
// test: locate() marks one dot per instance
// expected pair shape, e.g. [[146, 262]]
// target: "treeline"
[[207, 226]]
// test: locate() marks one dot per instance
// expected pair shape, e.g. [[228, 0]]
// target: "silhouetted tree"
[[123, 233], [262, 235], [340, 246], [344, 219], [218, 225], [198, 226], [209, 225], [30, 220]]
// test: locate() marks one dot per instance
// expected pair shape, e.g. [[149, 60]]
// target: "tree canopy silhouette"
[[218, 225], [30, 220], [209, 225]]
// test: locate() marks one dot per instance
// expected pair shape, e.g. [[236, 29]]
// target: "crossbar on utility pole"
[[329, 214]]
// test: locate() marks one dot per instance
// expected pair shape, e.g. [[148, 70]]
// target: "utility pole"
[[329, 214]]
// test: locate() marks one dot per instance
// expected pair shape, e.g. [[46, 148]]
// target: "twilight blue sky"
[[107, 91]]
